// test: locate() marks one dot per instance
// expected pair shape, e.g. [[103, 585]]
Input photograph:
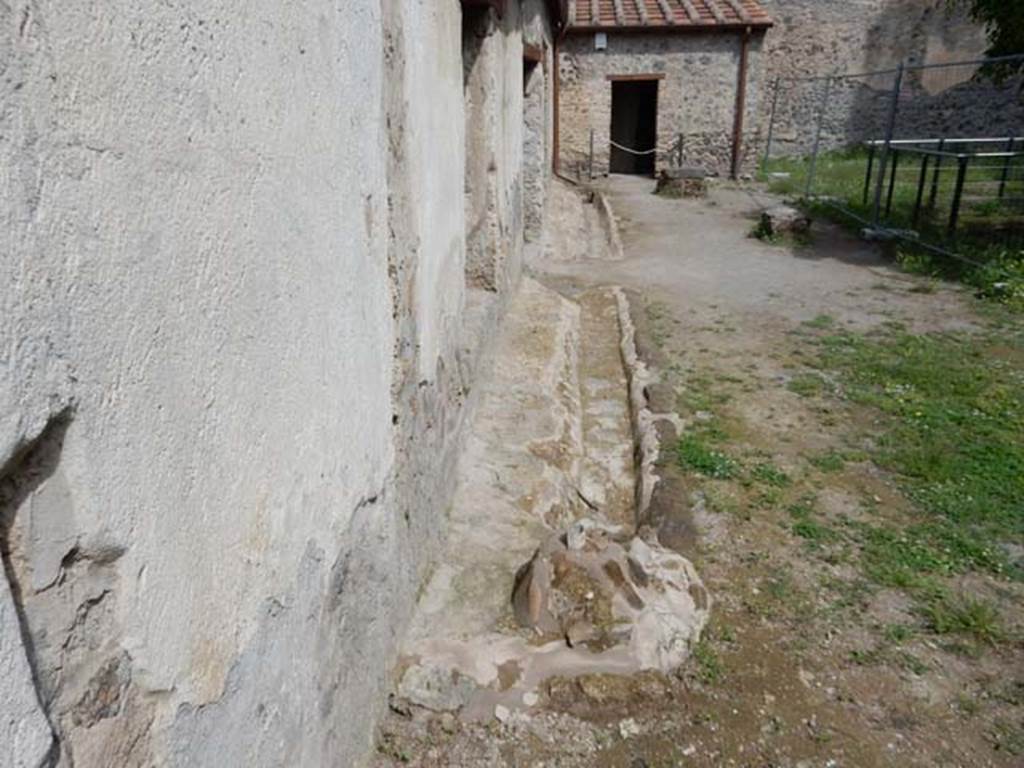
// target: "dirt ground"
[[806, 662]]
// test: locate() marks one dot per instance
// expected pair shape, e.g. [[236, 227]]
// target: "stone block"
[[784, 219], [682, 182]]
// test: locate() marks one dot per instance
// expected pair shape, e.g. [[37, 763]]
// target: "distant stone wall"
[[823, 37], [696, 97]]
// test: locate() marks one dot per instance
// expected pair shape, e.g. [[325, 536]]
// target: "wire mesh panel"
[[819, 129], [931, 154]]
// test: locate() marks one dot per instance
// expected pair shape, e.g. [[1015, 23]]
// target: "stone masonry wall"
[[509, 137], [822, 37], [696, 98], [539, 118], [236, 351]]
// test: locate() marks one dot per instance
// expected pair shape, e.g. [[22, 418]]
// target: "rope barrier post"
[[680, 151], [591, 171], [771, 127]]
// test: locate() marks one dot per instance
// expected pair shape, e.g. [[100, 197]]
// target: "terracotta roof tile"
[[680, 14]]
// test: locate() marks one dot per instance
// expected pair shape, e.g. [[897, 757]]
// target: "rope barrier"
[[633, 151]]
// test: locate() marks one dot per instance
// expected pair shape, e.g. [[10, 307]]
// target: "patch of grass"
[[911, 663], [1011, 693], [821, 322], [976, 619], [724, 503], [709, 665], [768, 474], [763, 231], [952, 408], [831, 462], [967, 705], [700, 394], [840, 175], [696, 455], [1007, 737], [867, 657], [768, 498], [660, 320], [807, 385], [925, 287], [904, 557], [898, 633], [806, 527]]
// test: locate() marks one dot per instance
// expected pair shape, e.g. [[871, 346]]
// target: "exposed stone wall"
[[822, 37], [509, 137], [237, 351], [696, 97], [539, 118]]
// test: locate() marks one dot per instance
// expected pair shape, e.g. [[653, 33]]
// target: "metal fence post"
[[591, 170], [817, 138], [890, 130], [771, 127], [921, 181], [958, 194], [935, 177], [872, 149], [680, 148], [1006, 170], [892, 182]]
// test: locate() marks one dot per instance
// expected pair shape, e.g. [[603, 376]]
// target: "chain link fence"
[[929, 154]]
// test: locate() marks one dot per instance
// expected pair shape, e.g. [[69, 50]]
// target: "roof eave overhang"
[[559, 9], [669, 29], [497, 5]]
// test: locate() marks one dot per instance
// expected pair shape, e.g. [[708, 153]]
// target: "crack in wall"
[[23, 474]]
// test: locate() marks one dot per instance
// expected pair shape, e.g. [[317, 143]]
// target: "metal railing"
[[925, 153]]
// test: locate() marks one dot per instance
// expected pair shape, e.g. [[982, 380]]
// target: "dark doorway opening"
[[634, 125]]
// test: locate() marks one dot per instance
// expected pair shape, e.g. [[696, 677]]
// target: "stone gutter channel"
[[548, 571]]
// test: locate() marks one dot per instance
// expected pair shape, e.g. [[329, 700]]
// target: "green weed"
[[807, 385], [978, 620], [833, 461], [769, 474], [709, 665], [898, 633], [806, 527], [820, 322], [694, 454]]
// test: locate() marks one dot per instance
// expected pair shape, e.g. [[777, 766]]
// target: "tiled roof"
[[674, 14]]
